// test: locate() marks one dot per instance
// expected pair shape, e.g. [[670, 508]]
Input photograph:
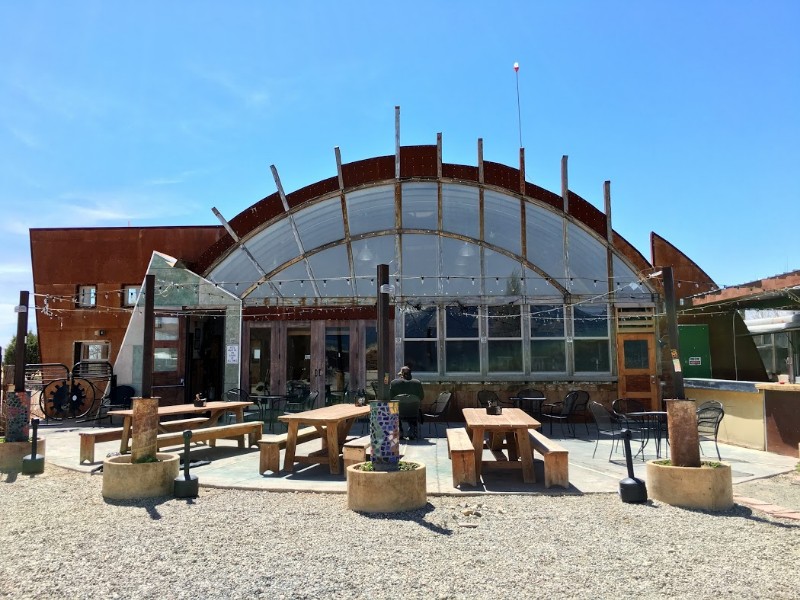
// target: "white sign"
[[695, 361], [233, 354]]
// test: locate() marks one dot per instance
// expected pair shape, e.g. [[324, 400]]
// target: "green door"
[[695, 351]]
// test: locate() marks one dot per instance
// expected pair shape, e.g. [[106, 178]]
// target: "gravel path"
[[61, 539]]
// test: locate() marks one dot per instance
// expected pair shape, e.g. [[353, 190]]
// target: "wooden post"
[[384, 336], [22, 334], [144, 444]]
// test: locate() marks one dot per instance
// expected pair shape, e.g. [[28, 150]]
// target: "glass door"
[[337, 362], [260, 355], [298, 358]]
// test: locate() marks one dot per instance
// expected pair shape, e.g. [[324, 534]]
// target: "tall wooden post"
[[18, 402], [681, 413], [384, 420], [384, 335], [144, 445]]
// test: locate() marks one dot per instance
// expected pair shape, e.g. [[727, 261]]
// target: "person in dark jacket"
[[406, 384]]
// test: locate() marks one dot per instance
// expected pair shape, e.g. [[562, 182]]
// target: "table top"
[[511, 418], [334, 412], [184, 409]]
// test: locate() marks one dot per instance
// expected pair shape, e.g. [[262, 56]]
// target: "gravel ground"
[[61, 539]]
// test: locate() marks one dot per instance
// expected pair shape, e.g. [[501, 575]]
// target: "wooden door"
[[636, 360]]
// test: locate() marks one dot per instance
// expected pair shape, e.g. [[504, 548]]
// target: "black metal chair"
[[438, 412], [408, 409], [240, 395], [487, 397], [623, 406], [119, 397], [561, 412], [581, 408], [608, 425], [709, 416], [529, 400], [296, 404]]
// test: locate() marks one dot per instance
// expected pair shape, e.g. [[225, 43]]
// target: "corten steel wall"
[[108, 257], [739, 363]]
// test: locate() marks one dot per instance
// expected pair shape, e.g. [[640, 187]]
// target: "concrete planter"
[[12, 453], [704, 487], [124, 480], [386, 491]]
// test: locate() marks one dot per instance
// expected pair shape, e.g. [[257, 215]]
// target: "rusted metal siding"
[[418, 161], [366, 171], [588, 214], [109, 258], [782, 412]]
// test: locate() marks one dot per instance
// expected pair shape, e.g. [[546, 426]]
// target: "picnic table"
[[507, 430], [333, 424], [217, 409]]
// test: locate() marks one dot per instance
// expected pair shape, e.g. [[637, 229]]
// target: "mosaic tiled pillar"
[[17, 411], [384, 432]]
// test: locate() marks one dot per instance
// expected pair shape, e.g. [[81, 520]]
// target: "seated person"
[[406, 384]]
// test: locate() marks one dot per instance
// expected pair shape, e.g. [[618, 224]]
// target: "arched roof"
[[332, 224]]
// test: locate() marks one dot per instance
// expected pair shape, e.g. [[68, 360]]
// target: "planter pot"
[[124, 480], [386, 491], [704, 487], [12, 453]]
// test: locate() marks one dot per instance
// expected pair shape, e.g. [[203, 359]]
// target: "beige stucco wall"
[[743, 424]]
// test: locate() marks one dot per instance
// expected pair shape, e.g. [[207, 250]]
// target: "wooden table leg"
[[332, 434], [526, 454], [126, 435], [291, 443], [477, 443], [511, 442]]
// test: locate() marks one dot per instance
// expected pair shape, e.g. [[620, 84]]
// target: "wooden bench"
[[181, 424], [270, 448], [556, 459], [89, 438], [356, 450], [462, 455], [252, 429]]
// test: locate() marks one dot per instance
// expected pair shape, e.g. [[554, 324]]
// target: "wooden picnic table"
[[333, 423], [217, 409], [512, 425]]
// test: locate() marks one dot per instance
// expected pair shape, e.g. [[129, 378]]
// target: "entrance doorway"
[[636, 358]]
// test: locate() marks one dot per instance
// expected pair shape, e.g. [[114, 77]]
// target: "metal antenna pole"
[[519, 113]]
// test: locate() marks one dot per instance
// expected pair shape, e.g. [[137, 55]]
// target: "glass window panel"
[[461, 210], [536, 287], [370, 210], [235, 268], [548, 356], [463, 356], [320, 223], [590, 320], [165, 360], [166, 328], [547, 320], [624, 277], [420, 265], [420, 206], [591, 356], [131, 295], [505, 321], [272, 247], [462, 322], [587, 260], [502, 275], [505, 355], [420, 322], [367, 254], [501, 221], [332, 272], [461, 268], [545, 240], [421, 356], [292, 282], [87, 295], [635, 354]]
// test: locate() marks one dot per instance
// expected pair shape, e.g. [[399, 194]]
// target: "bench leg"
[[556, 470], [352, 456], [87, 449], [463, 467], [269, 458]]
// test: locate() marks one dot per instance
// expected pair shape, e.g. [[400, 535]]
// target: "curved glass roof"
[[440, 239]]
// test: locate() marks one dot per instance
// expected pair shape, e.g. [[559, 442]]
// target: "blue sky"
[[150, 113]]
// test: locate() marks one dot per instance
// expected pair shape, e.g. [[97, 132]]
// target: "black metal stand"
[[186, 485], [33, 464], [631, 489]]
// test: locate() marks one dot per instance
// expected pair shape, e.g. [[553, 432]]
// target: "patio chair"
[[250, 414], [485, 397], [529, 400], [298, 404], [119, 397], [438, 411], [561, 412], [408, 408], [709, 416], [581, 408], [623, 406], [608, 424]]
